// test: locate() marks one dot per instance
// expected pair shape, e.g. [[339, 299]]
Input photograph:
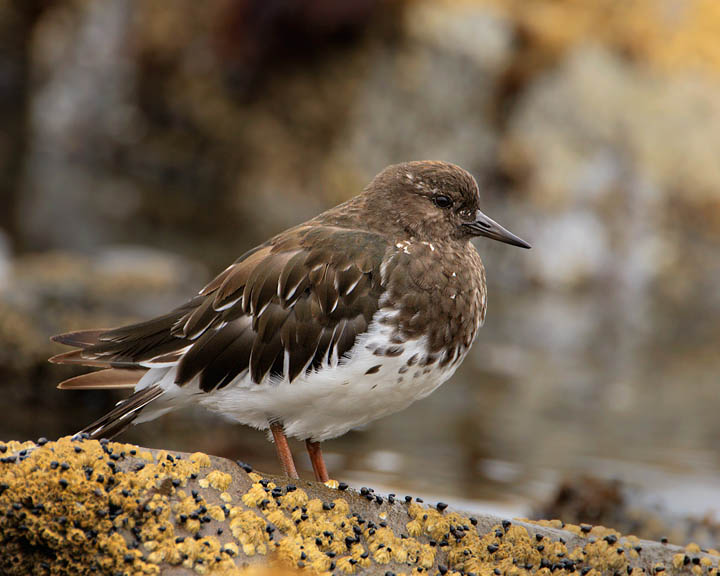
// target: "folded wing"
[[286, 307]]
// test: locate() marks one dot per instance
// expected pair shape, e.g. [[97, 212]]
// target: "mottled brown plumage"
[[391, 270]]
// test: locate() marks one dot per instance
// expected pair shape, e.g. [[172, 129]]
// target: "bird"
[[325, 327]]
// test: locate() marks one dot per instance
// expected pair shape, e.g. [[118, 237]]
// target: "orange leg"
[[283, 450], [317, 461]]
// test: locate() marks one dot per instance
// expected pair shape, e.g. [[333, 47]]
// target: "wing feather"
[[270, 321], [230, 363], [293, 278], [198, 320], [208, 347], [294, 304], [232, 288]]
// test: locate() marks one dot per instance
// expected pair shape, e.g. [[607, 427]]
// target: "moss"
[[78, 507]]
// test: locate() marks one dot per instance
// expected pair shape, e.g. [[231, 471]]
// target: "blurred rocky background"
[[144, 145]]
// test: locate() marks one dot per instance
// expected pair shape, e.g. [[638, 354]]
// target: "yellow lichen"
[[203, 460], [107, 502], [73, 497], [219, 480]]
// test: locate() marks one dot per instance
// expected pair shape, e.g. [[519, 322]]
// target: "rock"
[[4, 261], [584, 145], [432, 96], [595, 144], [79, 114], [613, 503], [82, 506]]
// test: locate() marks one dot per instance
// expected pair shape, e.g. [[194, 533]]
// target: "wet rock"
[[593, 500]]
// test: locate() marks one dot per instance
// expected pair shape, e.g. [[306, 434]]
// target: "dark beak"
[[484, 226]]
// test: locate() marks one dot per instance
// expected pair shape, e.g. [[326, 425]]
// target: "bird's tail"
[[120, 417], [114, 375]]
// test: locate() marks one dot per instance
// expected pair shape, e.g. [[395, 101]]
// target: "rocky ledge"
[[78, 506]]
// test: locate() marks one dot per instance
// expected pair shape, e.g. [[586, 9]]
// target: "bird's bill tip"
[[485, 226]]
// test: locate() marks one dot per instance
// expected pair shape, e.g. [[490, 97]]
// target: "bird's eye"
[[442, 201]]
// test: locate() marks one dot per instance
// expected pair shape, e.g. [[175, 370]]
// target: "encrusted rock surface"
[[80, 506]]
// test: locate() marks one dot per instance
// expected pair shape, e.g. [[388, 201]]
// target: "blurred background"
[[144, 145]]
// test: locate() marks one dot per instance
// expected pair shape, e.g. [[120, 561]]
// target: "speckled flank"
[[85, 507]]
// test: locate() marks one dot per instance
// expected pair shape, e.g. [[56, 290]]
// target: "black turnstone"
[[327, 326]]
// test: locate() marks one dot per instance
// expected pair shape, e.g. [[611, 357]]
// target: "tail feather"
[[76, 357], [81, 358], [120, 417], [79, 339], [105, 379], [125, 354]]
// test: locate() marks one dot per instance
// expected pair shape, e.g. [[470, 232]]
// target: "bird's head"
[[432, 200]]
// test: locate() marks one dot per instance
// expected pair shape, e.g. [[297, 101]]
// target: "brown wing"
[[283, 308]]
